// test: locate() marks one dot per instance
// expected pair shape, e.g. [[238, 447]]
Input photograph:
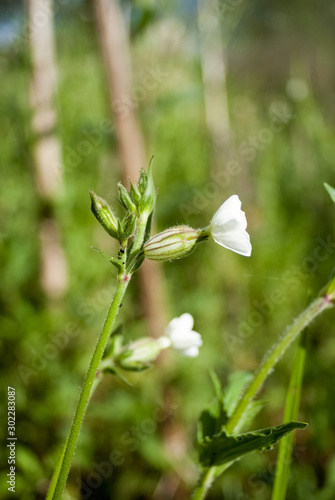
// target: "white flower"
[[228, 227], [182, 337]]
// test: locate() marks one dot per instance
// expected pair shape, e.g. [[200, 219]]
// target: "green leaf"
[[330, 190], [214, 417], [236, 383], [103, 254], [223, 448]]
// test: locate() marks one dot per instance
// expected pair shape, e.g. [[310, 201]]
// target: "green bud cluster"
[[134, 228]]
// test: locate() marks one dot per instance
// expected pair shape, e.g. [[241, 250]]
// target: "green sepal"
[[223, 448], [138, 262], [125, 199], [129, 225], [118, 373], [131, 365], [148, 197], [142, 181], [134, 193], [148, 227], [104, 214], [114, 345], [330, 190]]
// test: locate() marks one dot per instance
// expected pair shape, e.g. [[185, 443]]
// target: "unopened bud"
[[148, 192], [126, 199], [104, 214], [174, 243]]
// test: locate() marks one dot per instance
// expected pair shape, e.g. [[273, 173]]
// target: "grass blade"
[[291, 411]]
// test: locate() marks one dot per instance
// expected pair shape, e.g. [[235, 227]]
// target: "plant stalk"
[[205, 482], [306, 317], [270, 360], [84, 397]]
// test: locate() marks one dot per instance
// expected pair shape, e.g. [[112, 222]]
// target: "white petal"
[[228, 210], [184, 340], [191, 352], [237, 241], [183, 323], [228, 227]]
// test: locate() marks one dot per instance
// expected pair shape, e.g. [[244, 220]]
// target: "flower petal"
[[230, 209], [184, 340], [183, 323], [237, 241], [191, 352], [228, 227]]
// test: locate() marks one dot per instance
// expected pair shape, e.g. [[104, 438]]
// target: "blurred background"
[[231, 96]]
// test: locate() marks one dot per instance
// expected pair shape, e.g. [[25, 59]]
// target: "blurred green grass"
[[287, 210]]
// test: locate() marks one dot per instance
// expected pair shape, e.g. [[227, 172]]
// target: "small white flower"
[[228, 227], [182, 337]]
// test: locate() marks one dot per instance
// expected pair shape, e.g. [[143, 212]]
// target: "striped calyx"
[[174, 243]]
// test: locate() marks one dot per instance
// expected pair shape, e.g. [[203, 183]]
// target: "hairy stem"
[[270, 360], [205, 482], [87, 388]]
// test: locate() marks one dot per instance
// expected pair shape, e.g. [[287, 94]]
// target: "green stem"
[[56, 472], [72, 439], [205, 482], [306, 317], [291, 412]]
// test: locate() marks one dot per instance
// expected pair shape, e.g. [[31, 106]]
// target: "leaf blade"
[[223, 448]]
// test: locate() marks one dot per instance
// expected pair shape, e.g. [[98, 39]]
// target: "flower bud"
[[174, 243], [139, 354], [147, 188], [126, 199], [104, 215]]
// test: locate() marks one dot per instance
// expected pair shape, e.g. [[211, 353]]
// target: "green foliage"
[[233, 300], [291, 411], [221, 448]]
